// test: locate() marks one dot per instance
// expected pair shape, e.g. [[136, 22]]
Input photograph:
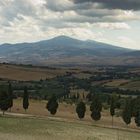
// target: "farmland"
[[70, 86], [28, 73]]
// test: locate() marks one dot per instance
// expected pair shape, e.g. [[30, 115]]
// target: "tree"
[[4, 101], [89, 97], [108, 100], [136, 109], [25, 99], [96, 108], [112, 108], [83, 96], [135, 106], [52, 105], [10, 93], [81, 109], [126, 115], [137, 118], [78, 96]]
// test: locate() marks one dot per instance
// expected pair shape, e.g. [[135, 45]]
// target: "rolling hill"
[[63, 50]]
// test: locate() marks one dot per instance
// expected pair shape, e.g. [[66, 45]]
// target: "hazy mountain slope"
[[133, 54], [63, 50]]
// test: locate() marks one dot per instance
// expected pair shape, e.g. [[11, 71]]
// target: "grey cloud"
[[11, 10], [99, 12], [114, 4], [88, 12], [66, 5], [59, 14]]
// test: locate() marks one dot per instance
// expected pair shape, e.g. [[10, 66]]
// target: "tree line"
[[130, 109], [6, 99]]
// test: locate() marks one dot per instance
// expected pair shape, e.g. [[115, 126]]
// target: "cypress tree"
[[83, 96], [135, 106], [137, 111], [137, 118], [112, 108], [96, 108], [89, 97], [25, 99], [10, 92], [4, 101], [52, 105], [126, 115], [81, 109], [78, 96]]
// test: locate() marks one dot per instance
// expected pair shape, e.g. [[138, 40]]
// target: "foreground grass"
[[41, 129]]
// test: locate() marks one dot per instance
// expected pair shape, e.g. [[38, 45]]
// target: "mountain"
[[62, 50], [133, 54]]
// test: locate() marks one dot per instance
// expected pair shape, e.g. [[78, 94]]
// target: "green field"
[[41, 129]]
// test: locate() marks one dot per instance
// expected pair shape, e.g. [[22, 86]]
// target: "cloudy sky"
[[111, 21]]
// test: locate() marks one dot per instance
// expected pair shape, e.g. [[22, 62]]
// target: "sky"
[[115, 22]]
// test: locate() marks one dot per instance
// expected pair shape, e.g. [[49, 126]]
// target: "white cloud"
[[31, 20], [79, 33], [125, 39], [128, 42], [113, 25]]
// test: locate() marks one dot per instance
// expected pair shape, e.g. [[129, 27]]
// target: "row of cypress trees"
[[128, 111], [6, 102]]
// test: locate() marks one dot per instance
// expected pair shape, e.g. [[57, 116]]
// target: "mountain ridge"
[[62, 48], [62, 37]]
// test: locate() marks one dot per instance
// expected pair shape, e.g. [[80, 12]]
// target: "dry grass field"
[[116, 83], [82, 75], [20, 73], [23, 128], [126, 84], [135, 85], [27, 73]]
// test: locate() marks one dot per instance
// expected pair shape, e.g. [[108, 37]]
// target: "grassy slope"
[[34, 129]]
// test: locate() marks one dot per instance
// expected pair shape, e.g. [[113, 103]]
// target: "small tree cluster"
[[6, 99]]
